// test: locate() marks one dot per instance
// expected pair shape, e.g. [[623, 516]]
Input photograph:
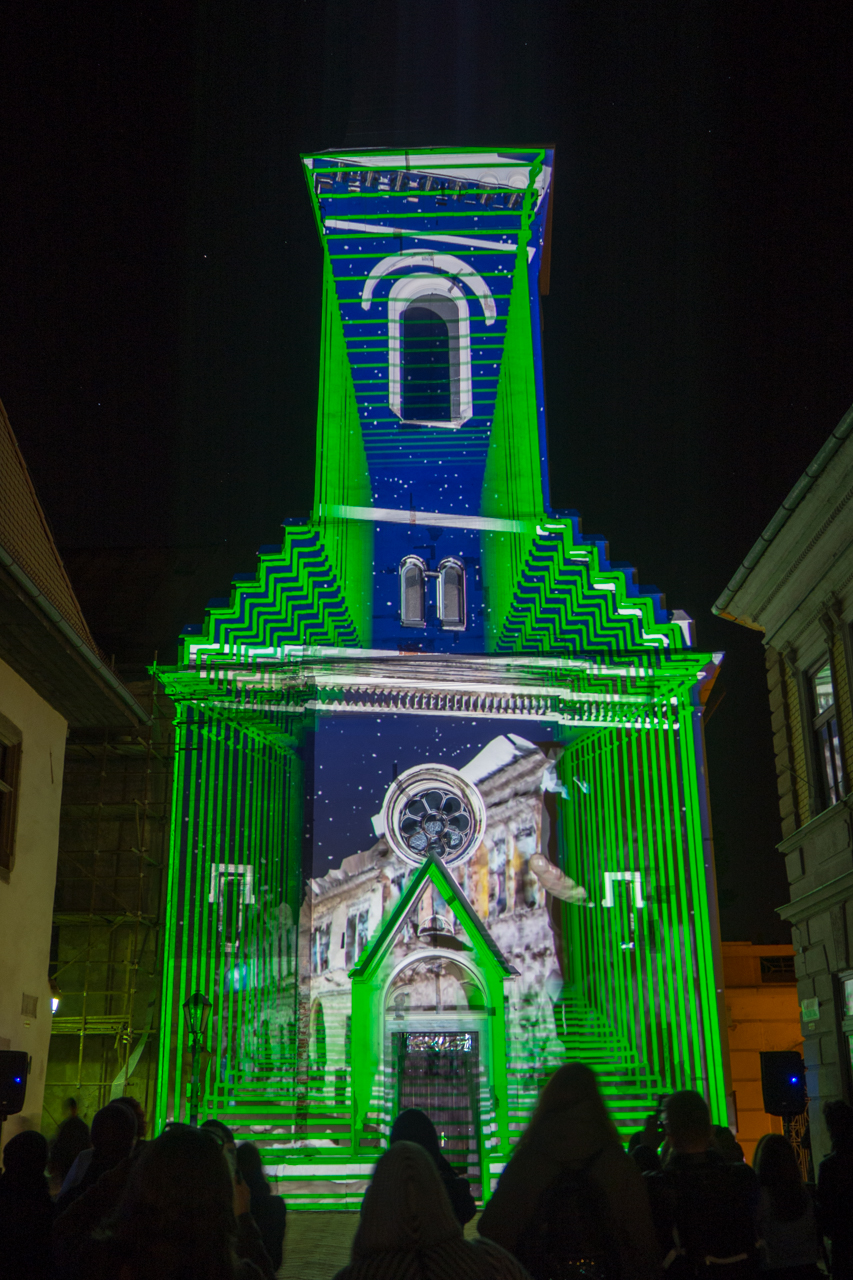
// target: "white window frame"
[[242, 872], [632, 878]]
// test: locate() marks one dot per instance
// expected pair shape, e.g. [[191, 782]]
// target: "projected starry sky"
[[355, 757]]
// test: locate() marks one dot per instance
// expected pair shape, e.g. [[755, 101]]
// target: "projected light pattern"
[[440, 815], [466, 231]]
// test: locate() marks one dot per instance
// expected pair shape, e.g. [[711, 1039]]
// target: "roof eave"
[[780, 519], [99, 671]]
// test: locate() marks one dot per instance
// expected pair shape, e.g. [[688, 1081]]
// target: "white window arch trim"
[[429, 954], [445, 263], [404, 293]]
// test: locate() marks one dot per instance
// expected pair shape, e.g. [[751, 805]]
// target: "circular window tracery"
[[433, 809]]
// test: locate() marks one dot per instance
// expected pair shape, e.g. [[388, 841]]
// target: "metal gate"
[[438, 1071]]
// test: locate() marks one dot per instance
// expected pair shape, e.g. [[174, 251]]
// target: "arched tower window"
[[430, 360], [429, 352], [451, 595], [413, 591], [444, 298]]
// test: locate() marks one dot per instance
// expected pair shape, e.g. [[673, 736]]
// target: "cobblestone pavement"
[[316, 1245]]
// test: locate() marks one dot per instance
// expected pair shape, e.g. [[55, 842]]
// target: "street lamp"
[[197, 1009]]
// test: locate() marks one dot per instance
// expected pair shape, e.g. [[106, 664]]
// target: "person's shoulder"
[[673, 1179], [269, 1205], [501, 1264], [81, 1163], [835, 1160], [665, 1175], [614, 1153], [645, 1158], [246, 1270], [459, 1191], [610, 1150], [743, 1176], [72, 1127], [352, 1271], [615, 1165]]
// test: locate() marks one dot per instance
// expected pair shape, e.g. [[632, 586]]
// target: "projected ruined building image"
[[440, 817]]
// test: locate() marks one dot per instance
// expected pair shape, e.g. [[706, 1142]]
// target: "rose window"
[[433, 810], [437, 821]]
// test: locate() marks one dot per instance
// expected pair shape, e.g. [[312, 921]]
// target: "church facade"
[[440, 810]]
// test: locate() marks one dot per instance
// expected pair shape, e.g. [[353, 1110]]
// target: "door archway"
[[437, 1051]]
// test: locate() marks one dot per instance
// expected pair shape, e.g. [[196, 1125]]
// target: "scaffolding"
[[106, 961]]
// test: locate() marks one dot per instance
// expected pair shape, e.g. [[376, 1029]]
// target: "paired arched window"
[[450, 593]]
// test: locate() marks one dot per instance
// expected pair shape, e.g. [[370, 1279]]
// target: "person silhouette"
[[26, 1210], [414, 1125]]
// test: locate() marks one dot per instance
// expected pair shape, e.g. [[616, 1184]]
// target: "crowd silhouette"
[[572, 1203]]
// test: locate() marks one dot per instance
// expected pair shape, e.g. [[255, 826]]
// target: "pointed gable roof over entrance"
[[433, 870]]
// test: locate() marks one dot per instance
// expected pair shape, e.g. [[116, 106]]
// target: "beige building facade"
[[52, 679], [32, 731], [796, 587]]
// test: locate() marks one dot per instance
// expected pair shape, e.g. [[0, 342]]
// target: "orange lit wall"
[[763, 1014]]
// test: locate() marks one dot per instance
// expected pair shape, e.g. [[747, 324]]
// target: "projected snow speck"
[[501, 781], [355, 760]]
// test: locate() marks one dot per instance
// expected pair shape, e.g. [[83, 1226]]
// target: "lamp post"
[[197, 1009]]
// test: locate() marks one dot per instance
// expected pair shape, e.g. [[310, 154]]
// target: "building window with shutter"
[[357, 936], [10, 771], [826, 738], [320, 943]]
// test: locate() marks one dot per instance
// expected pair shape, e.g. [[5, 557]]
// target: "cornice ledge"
[[793, 841], [825, 896]]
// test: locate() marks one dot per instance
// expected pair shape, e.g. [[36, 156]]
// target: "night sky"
[[160, 279]]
